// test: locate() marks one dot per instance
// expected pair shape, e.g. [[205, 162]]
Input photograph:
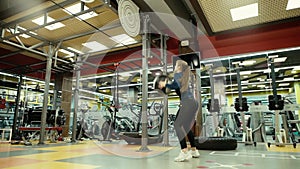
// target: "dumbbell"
[[158, 79]]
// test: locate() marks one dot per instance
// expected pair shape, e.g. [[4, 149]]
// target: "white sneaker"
[[183, 156], [194, 153]]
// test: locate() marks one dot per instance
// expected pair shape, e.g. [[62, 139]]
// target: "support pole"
[[16, 113], [46, 93], [199, 119], [273, 77], [163, 48], [76, 100], [213, 113], [146, 54], [238, 78], [278, 139], [54, 99], [212, 87]]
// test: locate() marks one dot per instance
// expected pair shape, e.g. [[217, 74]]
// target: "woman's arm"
[[175, 83]]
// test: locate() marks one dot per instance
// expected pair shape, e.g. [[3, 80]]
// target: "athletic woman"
[[185, 118]]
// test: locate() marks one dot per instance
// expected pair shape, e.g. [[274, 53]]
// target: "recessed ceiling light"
[[293, 4], [95, 46], [244, 12], [40, 21], [123, 39], [74, 9]]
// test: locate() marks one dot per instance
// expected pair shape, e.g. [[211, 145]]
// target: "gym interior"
[[78, 83]]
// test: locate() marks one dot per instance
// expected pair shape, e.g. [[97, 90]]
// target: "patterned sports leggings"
[[184, 121]]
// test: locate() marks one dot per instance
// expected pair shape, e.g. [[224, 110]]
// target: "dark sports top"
[[176, 86]]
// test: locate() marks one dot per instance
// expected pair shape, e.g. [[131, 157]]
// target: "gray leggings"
[[184, 121]]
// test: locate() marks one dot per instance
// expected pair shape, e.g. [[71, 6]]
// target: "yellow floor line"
[[286, 148]]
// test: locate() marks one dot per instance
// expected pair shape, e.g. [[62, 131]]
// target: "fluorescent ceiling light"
[[296, 68], [87, 1], [269, 70], [289, 79], [244, 12], [254, 91], [95, 46], [261, 86], [74, 9], [40, 21], [235, 63], [66, 52], [123, 39], [13, 31], [293, 4], [75, 50], [125, 74], [245, 73], [280, 59], [273, 56], [248, 62], [284, 84], [17, 31]]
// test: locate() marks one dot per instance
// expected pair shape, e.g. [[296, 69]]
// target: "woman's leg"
[[194, 152], [180, 132], [178, 125], [191, 138]]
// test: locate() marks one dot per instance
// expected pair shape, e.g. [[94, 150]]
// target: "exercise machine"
[[115, 124], [154, 127], [276, 103]]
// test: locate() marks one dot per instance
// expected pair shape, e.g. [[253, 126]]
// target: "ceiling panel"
[[217, 13]]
